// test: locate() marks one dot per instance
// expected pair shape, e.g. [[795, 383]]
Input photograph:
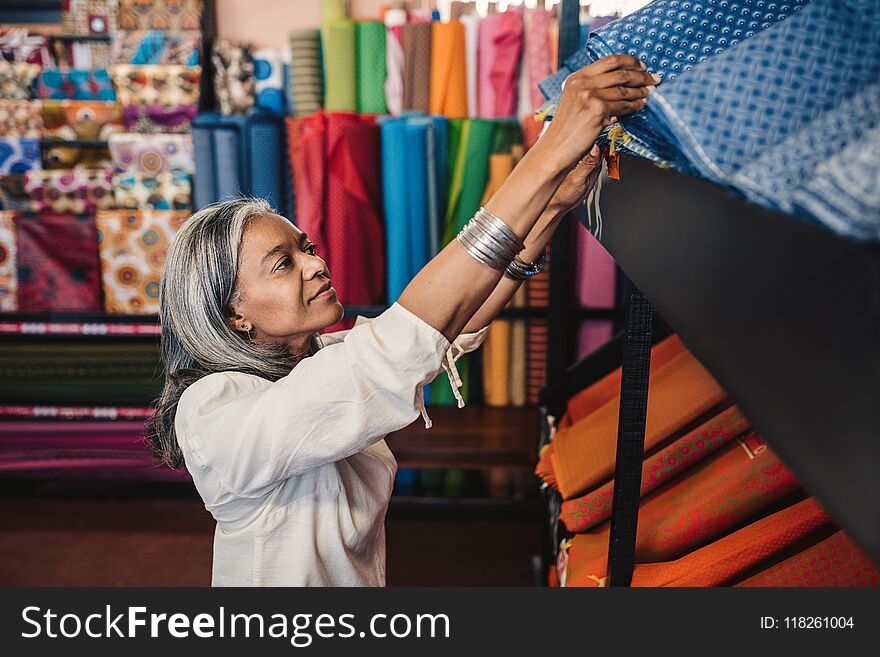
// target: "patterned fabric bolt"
[[19, 154], [836, 561], [75, 84], [57, 262], [164, 15], [160, 191], [16, 79], [133, 247], [21, 118], [371, 61], [164, 84], [8, 261], [172, 119], [269, 73], [416, 38], [157, 47], [152, 154], [306, 78], [78, 191], [234, 77]]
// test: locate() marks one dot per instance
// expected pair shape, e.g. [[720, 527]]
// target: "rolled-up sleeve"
[[253, 432]]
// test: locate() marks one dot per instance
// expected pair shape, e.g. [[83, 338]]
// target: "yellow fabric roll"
[[448, 71], [518, 352]]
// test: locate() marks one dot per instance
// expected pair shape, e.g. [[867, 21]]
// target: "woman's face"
[[284, 288]]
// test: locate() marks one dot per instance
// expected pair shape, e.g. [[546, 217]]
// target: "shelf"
[[81, 37], [488, 437], [45, 412], [785, 315], [49, 142], [30, 11]]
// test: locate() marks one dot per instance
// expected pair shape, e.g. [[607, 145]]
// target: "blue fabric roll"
[[438, 162], [417, 131], [394, 181]]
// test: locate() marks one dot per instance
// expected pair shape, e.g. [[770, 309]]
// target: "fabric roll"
[[370, 76], [163, 84], [8, 263], [536, 53], [417, 131], [307, 147], [133, 247], [448, 90], [471, 24], [81, 119], [585, 512], [306, 74], [174, 119], [355, 250], [16, 79], [19, 154], [235, 79], [331, 11], [340, 64], [436, 143], [722, 562], [394, 181], [395, 19], [170, 15], [837, 561], [416, 39], [78, 191], [711, 499], [152, 154], [159, 191], [74, 84], [497, 349], [13, 196], [269, 83], [470, 172], [57, 262], [21, 118], [19, 45], [680, 392], [518, 365], [499, 47], [157, 47]]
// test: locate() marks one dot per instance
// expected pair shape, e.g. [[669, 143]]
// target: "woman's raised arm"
[[453, 285]]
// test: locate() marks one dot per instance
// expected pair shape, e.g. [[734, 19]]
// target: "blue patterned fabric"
[[788, 118]]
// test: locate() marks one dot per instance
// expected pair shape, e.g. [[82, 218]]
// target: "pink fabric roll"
[[537, 52], [596, 281], [500, 43], [394, 21]]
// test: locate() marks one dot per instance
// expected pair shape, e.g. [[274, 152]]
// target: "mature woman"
[[282, 428]]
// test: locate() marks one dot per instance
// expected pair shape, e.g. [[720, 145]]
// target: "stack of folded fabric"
[[718, 505]]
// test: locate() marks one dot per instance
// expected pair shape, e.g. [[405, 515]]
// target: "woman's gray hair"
[[197, 288]]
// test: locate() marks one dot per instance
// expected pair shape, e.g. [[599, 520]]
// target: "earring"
[[247, 329]]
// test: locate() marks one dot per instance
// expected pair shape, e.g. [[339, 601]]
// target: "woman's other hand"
[[577, 184], [591, 100]]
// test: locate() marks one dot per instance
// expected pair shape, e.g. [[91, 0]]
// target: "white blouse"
[[296, 472]]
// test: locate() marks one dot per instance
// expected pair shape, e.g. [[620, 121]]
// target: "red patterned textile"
[[57, 263], [710, 500], [836, 561], [585, 512]]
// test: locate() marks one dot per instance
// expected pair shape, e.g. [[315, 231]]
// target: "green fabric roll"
[[469, 174], [331, 11], [339, 61], [371, 68]]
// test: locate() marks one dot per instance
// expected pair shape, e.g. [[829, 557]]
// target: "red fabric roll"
[[836, 561], [354, 245], [58, 264], [307, 143]]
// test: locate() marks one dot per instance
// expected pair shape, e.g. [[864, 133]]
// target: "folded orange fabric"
[[608, 387], [680, 391], [448, 70], [722, 562], [585, 512], [712, 499], [836, 561]]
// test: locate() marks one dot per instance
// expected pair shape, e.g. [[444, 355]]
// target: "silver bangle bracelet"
[[489, 240]]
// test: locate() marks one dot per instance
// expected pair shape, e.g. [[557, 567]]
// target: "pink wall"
[[265, 23]]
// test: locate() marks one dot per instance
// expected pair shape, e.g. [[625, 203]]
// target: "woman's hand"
[[577, 184], [591, 100]]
